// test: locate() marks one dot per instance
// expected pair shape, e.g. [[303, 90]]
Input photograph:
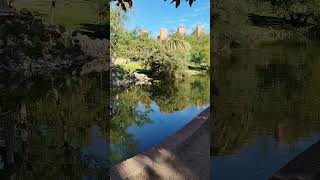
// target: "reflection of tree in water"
[[177, 95], [272, 93], [169, 96], [283, 76], [56, 126], [231, 134], [122, 144]]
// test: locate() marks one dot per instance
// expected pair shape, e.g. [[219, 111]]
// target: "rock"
[[97, 65], [141, 79], [57, 50], [97, 48]]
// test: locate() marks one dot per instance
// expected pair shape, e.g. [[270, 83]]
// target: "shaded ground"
[[195, 154]]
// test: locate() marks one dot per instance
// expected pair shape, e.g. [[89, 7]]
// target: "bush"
[[164, 63], [197, 57]]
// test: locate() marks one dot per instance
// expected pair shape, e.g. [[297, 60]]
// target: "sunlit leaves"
[[176, 44]]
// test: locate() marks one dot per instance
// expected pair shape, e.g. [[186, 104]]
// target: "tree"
[[166, 63], [145, 47], [51, 13], [117, 30], [177, 44], [200, 50]]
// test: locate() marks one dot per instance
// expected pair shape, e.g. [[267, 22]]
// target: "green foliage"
[[167, 63], [165, 58], [200, 50], [144, 47], [197, 57], [178, 44]]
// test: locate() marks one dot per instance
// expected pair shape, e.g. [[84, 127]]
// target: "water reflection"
[[266, 109], [145, 115], [47, 128], [57, 127]]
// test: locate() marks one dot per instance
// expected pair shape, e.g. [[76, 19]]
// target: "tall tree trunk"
[[51, 13]]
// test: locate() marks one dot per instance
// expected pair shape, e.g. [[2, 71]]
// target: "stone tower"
[[143, 32], [199, 31], [163, 34], [181, 30]]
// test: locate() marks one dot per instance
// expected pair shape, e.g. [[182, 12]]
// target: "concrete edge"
[[133, 166], [305, 165]]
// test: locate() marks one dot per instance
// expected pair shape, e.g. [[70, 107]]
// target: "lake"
[[266, 109], [58, 127]]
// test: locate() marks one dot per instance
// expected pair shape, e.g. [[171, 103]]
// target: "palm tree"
[[176, 43]]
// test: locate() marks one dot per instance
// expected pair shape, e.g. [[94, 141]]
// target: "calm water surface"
[[146, 115], [58, 127], [266, 110]]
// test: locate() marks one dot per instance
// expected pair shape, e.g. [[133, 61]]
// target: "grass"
[[132, 66], [70, 14], [136, 66]]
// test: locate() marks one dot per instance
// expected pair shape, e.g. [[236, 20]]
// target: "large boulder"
[[96, 48], [141, 78]]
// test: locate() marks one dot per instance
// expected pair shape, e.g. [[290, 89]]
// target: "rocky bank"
[[29, 46]]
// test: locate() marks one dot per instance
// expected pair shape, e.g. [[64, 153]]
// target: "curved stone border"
[[141, 163]]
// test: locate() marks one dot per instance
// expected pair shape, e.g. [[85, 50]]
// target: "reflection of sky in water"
[[98, 147], [278, 87], [258, 161], [162, 125]]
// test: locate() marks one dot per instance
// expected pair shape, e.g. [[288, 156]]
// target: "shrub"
[[165, 63]]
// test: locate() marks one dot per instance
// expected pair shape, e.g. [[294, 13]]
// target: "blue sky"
[[153, 14]]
